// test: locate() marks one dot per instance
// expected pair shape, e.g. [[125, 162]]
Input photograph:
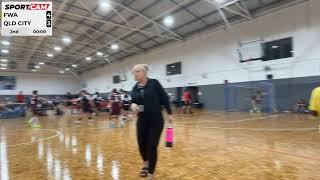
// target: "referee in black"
[[148, 97]]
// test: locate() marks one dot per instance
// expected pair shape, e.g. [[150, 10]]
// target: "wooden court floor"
[[208, 145]]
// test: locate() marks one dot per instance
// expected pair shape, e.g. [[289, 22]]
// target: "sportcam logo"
[[40, 6]]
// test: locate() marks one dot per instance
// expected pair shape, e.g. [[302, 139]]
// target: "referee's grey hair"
[[143, 67]]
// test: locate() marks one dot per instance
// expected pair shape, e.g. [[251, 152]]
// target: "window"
[[116, 79], [83, 85], [174, 68], [278, 49]]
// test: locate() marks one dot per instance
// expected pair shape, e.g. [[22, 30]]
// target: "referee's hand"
[[135, 108], [170, 119]]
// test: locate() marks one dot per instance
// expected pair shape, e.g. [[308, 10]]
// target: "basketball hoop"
[[250, 51]]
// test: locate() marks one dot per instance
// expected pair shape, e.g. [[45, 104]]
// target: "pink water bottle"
[[169, 136]]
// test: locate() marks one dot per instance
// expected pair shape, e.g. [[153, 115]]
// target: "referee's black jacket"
[[152, 96]]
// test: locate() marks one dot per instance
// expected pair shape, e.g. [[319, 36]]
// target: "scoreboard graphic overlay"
[[19, 18]]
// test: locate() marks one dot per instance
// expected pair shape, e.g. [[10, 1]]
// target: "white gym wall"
[[214, 54], [46, 81]]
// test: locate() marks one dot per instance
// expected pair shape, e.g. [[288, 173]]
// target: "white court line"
[[31, 142], [95, 128], [196, 113], [241, 120], [192, 117], [106, 127], [217, 114], [248, 129], [261, 129], [206, 112], [212, 112]]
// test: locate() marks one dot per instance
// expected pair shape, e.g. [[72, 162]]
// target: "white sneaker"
[[150, 177], [30, 120], [121, 124], [112, 125]]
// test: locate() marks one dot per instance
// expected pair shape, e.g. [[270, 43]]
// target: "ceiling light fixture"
[[4, 60], [58, 48], [220, 1], [4, 51], [168, 21], [88, 58], [3, 68], [67, 69], [74, 65], [50, 55], [37, 67], [105, 5], [66, 40], [114, 46], [61, 72], [99, 54], [5, 43], [41, 63]]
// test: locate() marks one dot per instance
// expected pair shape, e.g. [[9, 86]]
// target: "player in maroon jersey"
[[34, 103], [115, 100]]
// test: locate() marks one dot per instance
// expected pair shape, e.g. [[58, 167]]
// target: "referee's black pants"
[[149, 129]]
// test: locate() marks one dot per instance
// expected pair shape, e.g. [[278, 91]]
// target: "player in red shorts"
[[115, 100], [186, 98]]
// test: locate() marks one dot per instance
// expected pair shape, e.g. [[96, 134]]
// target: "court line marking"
[[247, 129], [264, 129], [252, 147], [106, 128], [213, 112], [257, 129], [187, 116], [272, 151], [252, 129], [196, 113], [241, 120], [31, 142]]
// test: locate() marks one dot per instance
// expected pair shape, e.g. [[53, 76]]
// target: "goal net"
[[239, 96]]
